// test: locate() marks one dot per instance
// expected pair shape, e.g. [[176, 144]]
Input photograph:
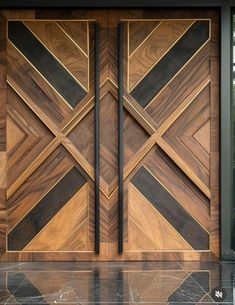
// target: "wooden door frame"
[[225, 7]]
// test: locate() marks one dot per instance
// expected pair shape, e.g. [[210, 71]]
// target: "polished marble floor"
[[116, 283]]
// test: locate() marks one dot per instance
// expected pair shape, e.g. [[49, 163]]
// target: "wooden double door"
[[170, 96]]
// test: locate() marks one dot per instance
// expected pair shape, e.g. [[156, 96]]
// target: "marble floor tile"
[[115, 283]]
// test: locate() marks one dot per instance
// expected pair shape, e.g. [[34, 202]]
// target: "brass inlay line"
[[160, 58], [139, 113], [41, 75], [48, 123], [146, 38], [34, 165], [140, 154], [55, 20], [193, 135], [177, 73], [75, 119], [49, 222], [166, 19], [108, 79], [38, 201], [71, 74], [182, 107], [64, 31], [176, 199]]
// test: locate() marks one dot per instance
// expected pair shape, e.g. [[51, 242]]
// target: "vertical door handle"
[[120, 138], [97, 139]]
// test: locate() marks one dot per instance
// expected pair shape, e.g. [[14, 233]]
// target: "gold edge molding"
[[65, 32], [161, 57]]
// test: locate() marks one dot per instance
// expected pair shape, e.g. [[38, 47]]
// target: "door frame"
[[226, 8]]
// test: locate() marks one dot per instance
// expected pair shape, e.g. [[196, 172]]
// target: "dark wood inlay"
[[45, 62], [165, 203], [45, 210], [171, 63]]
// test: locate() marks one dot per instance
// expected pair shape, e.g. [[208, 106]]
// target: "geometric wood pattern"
[[170, 136]]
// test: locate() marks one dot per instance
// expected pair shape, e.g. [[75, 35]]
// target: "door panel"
[[172, 189], [170, 136]]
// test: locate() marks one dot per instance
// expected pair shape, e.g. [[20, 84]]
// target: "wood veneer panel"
[[78, 31], [179, 88], [35, 136], [62, 47], [148, 228], [37, 185], [72, 217], [171, 63], [3, 221], [3, 98], [155, 47], [181, 220], [138, 32], [180, 135], [47, 64], [180, 186], [45, 210], [34, 86], [3, 53]]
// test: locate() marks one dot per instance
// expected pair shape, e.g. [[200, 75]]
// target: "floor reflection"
[[115, 283]]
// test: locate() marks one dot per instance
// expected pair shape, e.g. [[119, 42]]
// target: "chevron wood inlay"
[[170, 136]]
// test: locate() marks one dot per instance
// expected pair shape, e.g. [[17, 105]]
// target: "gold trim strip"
[[139, 114], [165, 19], [48, 122], [80, 49], [129, 56], [106, 80], [33, 166], [30, 19], [182, 107], [73, 76], [181, 164], [160, 58]]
